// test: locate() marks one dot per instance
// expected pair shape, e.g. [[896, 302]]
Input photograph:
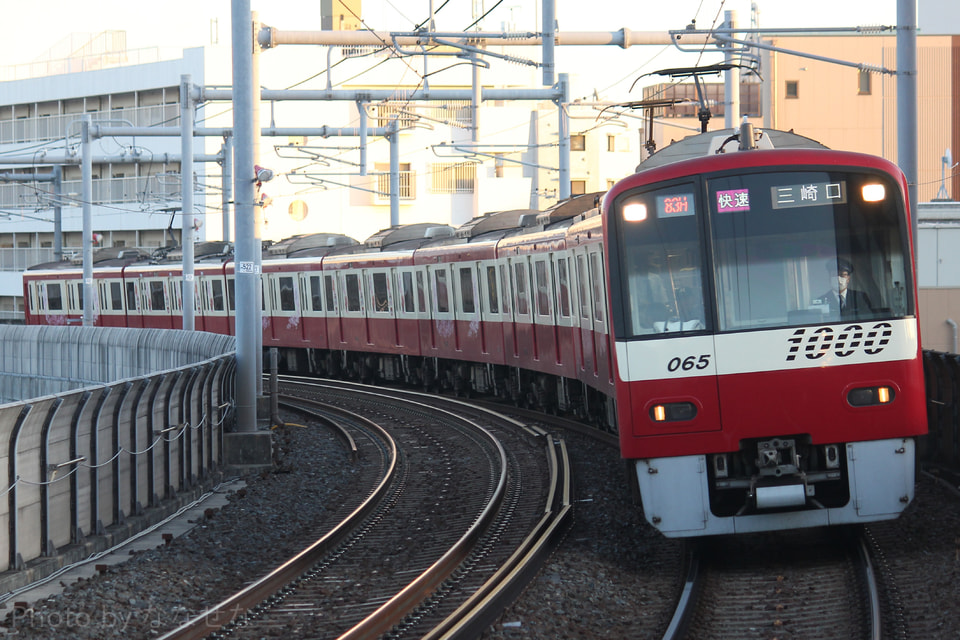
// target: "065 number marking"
[[689, 363]]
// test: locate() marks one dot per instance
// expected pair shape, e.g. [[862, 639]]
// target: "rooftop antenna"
[[946, 162]]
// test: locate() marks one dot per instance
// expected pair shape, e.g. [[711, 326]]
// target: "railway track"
[[805, 584], [460, 518]]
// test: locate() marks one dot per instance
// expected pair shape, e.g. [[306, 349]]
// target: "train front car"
[[750, 398]]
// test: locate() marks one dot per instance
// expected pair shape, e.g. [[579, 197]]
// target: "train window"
[[440, 286], [421, 295], [406, 285], [232, 293], [596, 277], [330, 292], [79, 290], [564, 282], [287, 294], [351, 284], [116, 296], [505, 288], [582, 288], [660, 257], [316, 294], [132, 296], [54, 297], [157, 302], [777, 256], [381, 301], [543, 288], [520, 271], [216, 294], [493, 297], [467, 299]]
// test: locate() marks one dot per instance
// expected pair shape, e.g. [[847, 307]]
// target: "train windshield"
[[785, 249], [661, 252], [793, 248]]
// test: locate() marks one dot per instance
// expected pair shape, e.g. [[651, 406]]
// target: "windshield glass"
[[662, 249], [806, 247]]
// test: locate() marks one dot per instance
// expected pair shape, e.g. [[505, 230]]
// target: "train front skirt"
[[676, 495]]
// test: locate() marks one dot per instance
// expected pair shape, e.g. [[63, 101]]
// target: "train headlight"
[[634, 212], [870, 396], [873, 192], [673, 412]]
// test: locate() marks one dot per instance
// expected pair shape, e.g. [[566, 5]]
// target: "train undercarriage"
[[520, 387]]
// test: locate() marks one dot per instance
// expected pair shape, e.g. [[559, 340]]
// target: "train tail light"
[[870, 396], [673, 412]]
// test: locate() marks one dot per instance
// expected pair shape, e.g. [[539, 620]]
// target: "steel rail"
[[244, 600]]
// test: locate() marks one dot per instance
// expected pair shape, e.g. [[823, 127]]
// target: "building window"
[[611, 142], [863, 83], [407, 181], [453, 177], [578, 187], [793, 89], [578, 142]]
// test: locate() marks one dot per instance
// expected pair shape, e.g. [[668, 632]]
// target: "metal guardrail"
[[77, 461]]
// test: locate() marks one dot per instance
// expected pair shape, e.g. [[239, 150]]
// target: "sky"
[[33, 29]]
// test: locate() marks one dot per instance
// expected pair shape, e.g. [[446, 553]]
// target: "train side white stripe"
[[774, 350]]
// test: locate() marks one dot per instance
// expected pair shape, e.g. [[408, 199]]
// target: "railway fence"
[[97, 424]]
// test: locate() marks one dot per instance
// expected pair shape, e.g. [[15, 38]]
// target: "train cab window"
[[132, 304], [351, 283], [660, 263], [216, 294], [54, 297], [116, 296], [467, 299], [330, 292], [564, 290], [796, 239], [520, 273], [544, 308], [381, 300], [440, 288], [316, 294], [406, 285], [287, 294], [493, 296]]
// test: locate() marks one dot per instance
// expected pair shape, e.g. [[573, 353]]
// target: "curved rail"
[[241, 602]]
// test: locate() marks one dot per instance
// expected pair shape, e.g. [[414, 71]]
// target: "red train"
[[698, 312]]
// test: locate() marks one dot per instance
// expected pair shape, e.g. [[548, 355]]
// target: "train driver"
[[843, 299]]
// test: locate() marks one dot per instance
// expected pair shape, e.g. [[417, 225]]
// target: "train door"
[[381, 320], [601, 336], [527, 350], [332, 305], [311, 307], [564, 312], [467, 334], [585, 341], [511, 348], [545, 322]]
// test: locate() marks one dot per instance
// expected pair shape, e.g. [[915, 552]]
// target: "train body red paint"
[[694, 308]]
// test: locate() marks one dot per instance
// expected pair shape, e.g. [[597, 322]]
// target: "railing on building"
[[147, 190], [44, 128], [118, 420]]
